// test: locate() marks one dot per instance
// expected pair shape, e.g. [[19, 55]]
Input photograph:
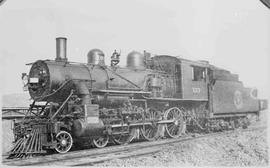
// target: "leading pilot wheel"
[[101, 141], [64, 142], [178, 126]]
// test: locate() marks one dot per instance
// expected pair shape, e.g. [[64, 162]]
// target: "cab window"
[[198, 73]]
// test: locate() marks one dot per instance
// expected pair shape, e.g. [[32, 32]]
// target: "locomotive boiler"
[[152, 97]]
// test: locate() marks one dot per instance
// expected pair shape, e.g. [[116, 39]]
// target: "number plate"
[[92, 120], [33, 80]]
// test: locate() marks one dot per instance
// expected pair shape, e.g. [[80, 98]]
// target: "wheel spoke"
[[101, 142], [170, 127], [149, 132], [174, 131]]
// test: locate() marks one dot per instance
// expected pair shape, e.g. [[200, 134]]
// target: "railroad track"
[[94, 156]]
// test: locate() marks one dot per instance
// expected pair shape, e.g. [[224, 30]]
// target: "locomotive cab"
[[190, 78], [195, 80]]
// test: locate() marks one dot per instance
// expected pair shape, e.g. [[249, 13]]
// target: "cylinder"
[[81, 128], [61, 49]]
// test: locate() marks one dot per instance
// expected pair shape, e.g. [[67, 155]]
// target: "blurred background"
[[234, 35]]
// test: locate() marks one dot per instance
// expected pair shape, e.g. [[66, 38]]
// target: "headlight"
[[24, 79]]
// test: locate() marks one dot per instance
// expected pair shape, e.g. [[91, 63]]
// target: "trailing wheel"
[[64, 142], [101, 141], [150, 132], [178, 126]]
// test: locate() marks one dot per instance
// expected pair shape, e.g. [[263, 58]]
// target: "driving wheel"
[[122, 136], [101, 141], [178, 126], [150, 132]]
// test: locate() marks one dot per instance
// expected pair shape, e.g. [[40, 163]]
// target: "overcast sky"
[[232, 34]]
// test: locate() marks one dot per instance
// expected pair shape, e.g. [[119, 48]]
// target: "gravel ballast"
[[237, 149]]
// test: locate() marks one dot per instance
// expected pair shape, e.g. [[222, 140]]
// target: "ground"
[[7, 135], [238, 149]]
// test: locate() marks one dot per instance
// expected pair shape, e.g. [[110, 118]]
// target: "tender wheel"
[[150, 132], [101, 142], [176, 128], [64, 142]]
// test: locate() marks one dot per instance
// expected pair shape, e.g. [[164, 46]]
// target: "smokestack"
[[61, 49]]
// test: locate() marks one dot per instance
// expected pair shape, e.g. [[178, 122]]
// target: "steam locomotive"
[[152, 97]]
